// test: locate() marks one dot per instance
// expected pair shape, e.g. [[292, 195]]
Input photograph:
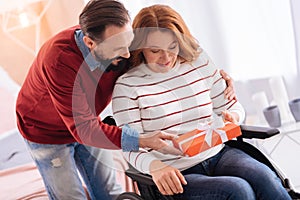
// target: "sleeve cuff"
[[145, 164], [130, 139]]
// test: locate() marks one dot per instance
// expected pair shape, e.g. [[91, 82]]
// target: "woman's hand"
[[230, 116], [229, 91], [168, 179]]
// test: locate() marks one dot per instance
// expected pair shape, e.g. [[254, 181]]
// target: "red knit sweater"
[[61, 98]]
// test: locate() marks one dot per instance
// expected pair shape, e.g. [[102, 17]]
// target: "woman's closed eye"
[[173, 46], [155, 50]]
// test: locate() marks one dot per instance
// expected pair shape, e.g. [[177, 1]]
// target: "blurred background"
[[252, 40]]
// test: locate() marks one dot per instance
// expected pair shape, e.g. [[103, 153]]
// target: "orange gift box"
[[201, 139]]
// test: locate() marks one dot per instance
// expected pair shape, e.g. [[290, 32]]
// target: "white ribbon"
[[208, 130]]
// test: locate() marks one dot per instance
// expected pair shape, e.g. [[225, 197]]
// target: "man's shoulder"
[[62, 48], [63, 39], [67, 31]]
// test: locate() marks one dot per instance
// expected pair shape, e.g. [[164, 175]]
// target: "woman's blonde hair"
[[162, 18]]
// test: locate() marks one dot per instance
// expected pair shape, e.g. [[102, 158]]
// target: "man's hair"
[[98, 14]]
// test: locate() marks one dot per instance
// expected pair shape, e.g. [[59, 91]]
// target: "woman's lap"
[[229, 173]]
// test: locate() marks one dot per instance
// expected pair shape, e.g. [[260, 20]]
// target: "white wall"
[[294, 84], [251, 39]]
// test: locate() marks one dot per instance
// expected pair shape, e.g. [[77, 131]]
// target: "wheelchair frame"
[[149, 191]]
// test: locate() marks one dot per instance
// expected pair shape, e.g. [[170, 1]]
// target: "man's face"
[[115, 44]]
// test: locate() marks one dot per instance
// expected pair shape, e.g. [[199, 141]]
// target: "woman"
[[174, 86]]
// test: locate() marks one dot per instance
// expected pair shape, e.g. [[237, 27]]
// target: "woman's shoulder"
[[202, 60], [204, 65], [133, 73]]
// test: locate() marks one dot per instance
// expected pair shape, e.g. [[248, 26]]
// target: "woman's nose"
[[165, 55]]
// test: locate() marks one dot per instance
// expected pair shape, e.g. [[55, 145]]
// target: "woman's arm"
[[168, 179], [126, 112], [222, 92], [231, 109]]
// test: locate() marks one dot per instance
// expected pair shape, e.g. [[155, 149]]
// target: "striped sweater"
[[176, 101]]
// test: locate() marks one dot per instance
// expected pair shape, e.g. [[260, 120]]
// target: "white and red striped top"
[[176, 101]]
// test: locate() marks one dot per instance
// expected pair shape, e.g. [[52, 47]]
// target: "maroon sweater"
[[61, 98]]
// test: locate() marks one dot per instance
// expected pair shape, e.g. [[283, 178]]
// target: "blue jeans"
[[59, 166], [234, 175]]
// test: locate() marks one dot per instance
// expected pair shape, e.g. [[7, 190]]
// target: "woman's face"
[[161, 51]]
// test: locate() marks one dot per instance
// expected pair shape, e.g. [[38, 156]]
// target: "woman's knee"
[[218, 187], [239, 188]]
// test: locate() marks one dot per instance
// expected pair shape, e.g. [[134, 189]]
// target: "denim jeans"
[[234, 175], [59, 166]]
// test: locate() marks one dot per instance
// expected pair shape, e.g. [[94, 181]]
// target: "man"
[[68, 85]]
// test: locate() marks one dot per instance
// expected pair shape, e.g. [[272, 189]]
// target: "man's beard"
[[106, 62]]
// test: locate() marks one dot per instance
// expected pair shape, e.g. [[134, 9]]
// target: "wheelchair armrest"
[[139, 177], [259, 132]]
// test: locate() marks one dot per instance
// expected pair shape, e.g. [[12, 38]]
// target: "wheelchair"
[[147, 189]]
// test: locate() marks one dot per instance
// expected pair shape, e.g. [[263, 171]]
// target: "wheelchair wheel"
[[129, 196]]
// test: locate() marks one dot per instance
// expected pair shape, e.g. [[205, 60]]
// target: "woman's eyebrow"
[[154, 46]]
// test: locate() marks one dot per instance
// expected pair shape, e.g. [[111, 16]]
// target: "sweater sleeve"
[[127, 114], [70, 101], [217, 87]]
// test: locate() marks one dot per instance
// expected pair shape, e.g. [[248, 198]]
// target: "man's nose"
[[126, 54]]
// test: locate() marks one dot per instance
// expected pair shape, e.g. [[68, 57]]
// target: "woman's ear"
[[88, 42]]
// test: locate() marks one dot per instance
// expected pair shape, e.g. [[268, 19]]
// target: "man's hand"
[[229, 91], [156, 141], [168, 179]]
